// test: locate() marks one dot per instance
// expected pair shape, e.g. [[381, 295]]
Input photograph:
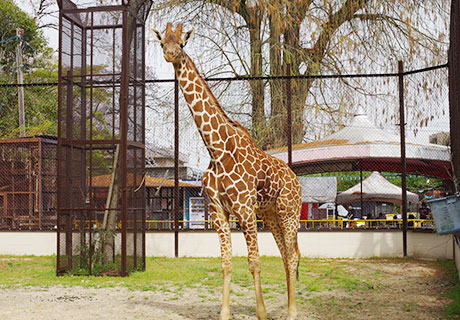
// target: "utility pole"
[[22, 122]]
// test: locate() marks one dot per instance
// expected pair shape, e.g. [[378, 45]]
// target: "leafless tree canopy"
[[260, 38]]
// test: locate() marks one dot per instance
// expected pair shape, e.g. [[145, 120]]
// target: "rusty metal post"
[[124, 140], [59, 150], [176, 168], [361, 187], [289, 114], [454, 90], [402, 128]]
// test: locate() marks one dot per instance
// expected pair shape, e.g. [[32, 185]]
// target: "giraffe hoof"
[[292, 315], [224, 315]]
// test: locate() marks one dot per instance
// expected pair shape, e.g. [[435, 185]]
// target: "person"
[[351, 213], [350, 216], [381, 217]]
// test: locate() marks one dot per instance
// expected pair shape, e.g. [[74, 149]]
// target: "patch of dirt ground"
[[399, 290]]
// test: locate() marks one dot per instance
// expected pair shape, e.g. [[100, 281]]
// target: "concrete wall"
[[28, 243], [311, 244]]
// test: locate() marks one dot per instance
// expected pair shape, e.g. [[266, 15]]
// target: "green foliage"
[[93, 250], [415, 183], [12, 17], [40, 104]]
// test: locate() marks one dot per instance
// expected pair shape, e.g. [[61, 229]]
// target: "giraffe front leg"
[[227, 275], [223, 231], [249, 227]]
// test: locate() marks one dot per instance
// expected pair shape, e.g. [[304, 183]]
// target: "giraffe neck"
[[213, 123]]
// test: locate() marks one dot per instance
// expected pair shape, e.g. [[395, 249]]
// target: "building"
[[160, 164]]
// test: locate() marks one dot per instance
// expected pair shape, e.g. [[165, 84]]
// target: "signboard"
[[197, 211], [446, 214]]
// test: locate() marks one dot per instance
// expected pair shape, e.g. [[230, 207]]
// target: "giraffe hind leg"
[[222, 226], [278, 222], [288, 217], [271, 221]]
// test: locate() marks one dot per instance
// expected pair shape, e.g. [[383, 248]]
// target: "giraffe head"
[[173, 42]]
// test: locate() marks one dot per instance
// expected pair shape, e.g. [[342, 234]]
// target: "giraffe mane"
[[216, 103]]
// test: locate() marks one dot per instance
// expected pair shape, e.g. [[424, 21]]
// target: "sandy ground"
[[413, 290], [121, 303]]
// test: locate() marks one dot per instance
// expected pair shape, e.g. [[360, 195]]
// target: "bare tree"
[[314, 37]]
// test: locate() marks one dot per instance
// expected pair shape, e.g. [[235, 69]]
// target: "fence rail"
[[320, 224]]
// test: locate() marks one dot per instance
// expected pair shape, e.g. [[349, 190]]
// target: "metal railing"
[[324, 224]]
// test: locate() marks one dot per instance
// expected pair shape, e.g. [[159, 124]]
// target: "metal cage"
[[101, 135], [28, 183]]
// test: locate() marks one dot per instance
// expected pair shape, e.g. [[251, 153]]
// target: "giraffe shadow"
[[208, 310]]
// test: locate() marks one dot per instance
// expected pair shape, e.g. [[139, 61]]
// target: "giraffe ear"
[[187, 36], [156, 35]]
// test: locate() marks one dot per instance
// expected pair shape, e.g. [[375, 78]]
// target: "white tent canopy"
[[363, 145], [375, 188]]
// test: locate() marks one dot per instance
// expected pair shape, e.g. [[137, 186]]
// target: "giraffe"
[[241, 179]]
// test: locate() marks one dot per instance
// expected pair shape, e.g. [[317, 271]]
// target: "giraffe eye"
[[161, 45], [182, 46]]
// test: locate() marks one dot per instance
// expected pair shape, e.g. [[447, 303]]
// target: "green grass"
[[316, 275], [452, 311], [174, 274], [188, 272]]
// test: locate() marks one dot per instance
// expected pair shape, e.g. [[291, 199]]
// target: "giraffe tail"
[[297, 271]]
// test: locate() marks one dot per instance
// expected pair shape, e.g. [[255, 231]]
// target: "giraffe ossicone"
[[241, 178]]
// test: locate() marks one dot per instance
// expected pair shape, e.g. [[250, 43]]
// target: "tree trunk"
[[276, 134], [284, 50], [258, 125]]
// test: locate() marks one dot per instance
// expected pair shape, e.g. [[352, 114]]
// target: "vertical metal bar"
[[361, 187], [68, 170], [143, 199], [83, 106], [176, 168], [39, 182], [69, 151], [113, 82], [59, 146], [454, 89], [403, 155], [124, 136], [91, 92], [289, 114], [134, 202]]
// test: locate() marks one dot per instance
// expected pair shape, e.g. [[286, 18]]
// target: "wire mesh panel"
[[340, 134], [28, 183], [101, 153]]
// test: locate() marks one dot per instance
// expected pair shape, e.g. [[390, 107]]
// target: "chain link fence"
[[28, 183], [345, 144], [345, 140]]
